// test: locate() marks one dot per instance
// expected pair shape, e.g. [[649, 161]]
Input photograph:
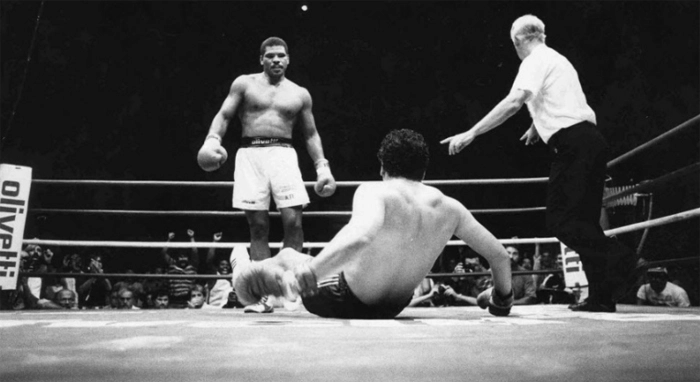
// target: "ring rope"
[[241, 213], [229, 184], [685, 215], [653, 142], [644, 186], [654, 183], [140, 244], [227, 277], [610, 164]]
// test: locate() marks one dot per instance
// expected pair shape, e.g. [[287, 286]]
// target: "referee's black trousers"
[[574, 201]]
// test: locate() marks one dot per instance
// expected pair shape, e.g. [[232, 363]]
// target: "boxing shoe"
[[263, 306]]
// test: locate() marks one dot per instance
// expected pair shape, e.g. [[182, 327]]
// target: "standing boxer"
[[269, 106]]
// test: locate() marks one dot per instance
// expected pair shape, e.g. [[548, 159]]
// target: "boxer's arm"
[[367, 219], [484, 243], [221, 121], [307, 124]]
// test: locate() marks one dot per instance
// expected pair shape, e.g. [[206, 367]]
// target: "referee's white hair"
[[527, 28]]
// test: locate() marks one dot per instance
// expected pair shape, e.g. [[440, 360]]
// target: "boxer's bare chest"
[[284, 100]]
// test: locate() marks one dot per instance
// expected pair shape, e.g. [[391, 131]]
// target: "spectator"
[[475, 285], [72, 263], [424, 293], [35, 260], [524, 290], [660, 292], [465, 292], [527, 264], [457, 299], [553, 289], [126, 299], [151, 286], [161, 300], [95, 291], [197, 297], [541, 260], [459, 284], [681, 276], [38, 261], [515, 256], [135, 286], [52, 285], [113, 299], [218, 291], [63, 299], [181, 264]]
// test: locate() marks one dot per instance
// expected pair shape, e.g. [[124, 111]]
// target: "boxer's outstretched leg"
[[254, 281], [241, 268]]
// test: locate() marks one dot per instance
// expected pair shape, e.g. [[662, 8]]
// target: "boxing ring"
[[538, 342]]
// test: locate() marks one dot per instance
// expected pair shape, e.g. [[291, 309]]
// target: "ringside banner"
[[574, 276], [15, 182]]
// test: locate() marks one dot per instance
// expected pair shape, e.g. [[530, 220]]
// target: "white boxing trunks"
[[263, 168]]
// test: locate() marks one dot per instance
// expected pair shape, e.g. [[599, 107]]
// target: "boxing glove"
[[497, 305], [212, 155], [325, 183]]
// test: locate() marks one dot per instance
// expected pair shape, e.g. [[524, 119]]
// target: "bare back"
[[418, 222], [270, 110]]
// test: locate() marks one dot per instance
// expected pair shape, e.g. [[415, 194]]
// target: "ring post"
[[15, 182]]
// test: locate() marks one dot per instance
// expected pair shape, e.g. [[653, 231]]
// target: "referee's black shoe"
[[593, 306]]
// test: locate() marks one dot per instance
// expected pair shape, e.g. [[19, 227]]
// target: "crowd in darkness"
[[89, 289], [541, 288]]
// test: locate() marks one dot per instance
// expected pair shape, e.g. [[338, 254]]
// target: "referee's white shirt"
[[556, 98]]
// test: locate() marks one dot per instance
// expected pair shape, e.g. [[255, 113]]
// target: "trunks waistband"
[[265, 142]]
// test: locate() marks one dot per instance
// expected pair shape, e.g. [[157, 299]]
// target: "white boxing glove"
[[212, 155], [325, 183]]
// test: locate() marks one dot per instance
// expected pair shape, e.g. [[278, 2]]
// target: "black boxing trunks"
[[335, 300]]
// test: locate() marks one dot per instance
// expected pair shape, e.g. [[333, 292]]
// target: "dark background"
[[127, 91]]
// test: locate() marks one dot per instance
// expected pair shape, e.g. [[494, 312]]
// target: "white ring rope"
[[610, 164], [241, 213], [685, 215], [229, 184]]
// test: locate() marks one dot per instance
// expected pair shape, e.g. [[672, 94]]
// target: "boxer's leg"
[[293, 232], [259, 225]]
